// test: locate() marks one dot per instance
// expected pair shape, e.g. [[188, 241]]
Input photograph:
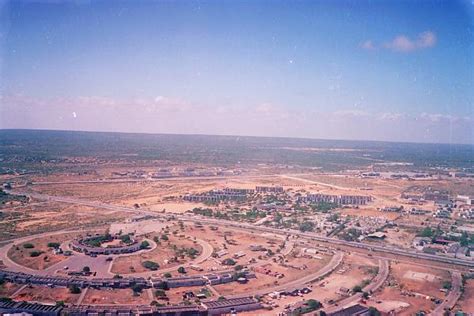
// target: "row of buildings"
[[196, 280], [234, 194], [78, 246], [214, 307], [336, 199]]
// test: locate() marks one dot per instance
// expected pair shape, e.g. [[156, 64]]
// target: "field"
[[23, 254]]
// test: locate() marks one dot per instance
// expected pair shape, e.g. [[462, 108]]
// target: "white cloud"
[[404, 44], [368, 45]]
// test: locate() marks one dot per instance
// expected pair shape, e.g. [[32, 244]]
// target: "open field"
[[466, 303], [165, 254], [47, 295], [115, 296], [412, 287], [23, 254]]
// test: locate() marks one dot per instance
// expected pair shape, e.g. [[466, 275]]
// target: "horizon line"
[[229, 135]]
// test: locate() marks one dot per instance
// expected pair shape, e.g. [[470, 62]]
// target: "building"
[[337, 199], [234, 305], [272, 189], [355, 310], [29, 308], [465, 199]]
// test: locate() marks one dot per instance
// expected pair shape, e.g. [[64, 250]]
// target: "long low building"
[[78, 246], [215, 307], [337, 199], [197, 280]]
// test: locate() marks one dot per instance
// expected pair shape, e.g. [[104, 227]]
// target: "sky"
[[368, 70]]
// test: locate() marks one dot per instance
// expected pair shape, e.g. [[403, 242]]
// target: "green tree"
[[306, 226], [464, 241], [182, 270], [150, 265], [144, 245], [74, 289]]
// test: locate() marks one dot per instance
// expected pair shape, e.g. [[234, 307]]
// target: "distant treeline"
[[34, 146]]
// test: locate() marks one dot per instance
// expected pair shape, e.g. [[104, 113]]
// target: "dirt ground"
[[21, 255], [163, 251], [410, 289], [115, 296], [46, 295], [7, 289], [354, 270], [466, 303], [175, 296], [388, 298]]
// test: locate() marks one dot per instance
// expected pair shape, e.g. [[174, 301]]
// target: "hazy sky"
[[382, 70]]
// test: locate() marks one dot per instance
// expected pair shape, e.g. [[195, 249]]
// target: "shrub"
[[181, 270], [74, 289], [144, 245], [150, 265], [86, 269], [28, 246], [229, 262], [126, 239], [54, 245], [160, 293], [137, 288], [35, 253], [357, 289]]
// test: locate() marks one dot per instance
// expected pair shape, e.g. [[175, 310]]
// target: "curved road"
[[327, 269], [453, 296], [376, 283]]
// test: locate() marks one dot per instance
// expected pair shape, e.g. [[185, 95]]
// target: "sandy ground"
[[164, 251], [352, 272], [7, 289], [21, 255], [412, 286], [466, 303], [115, 296], [46, 295]]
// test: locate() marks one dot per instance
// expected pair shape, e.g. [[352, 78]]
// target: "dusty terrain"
[[47, 295], [21, 255], [163, 254]]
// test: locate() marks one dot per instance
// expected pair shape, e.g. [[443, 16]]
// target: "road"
[[310, 236], [294, 177], [453, 296], [376, 283]]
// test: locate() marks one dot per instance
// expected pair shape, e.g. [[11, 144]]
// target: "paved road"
[[310, 236], [452, 297], [12, 265], [376, 283]]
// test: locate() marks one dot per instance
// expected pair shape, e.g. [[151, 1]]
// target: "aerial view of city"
[[236, 158]]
